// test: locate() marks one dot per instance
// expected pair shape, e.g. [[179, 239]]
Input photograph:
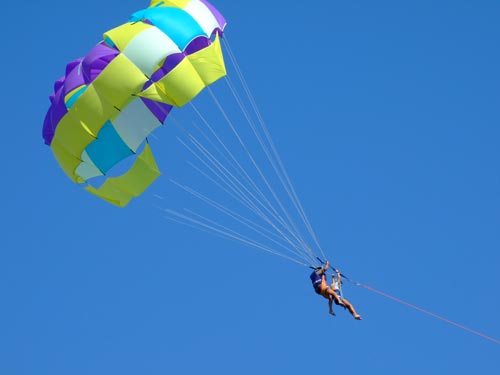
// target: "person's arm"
[[323, 269], [339, 278]]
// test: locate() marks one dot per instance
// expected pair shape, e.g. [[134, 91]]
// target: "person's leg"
[[336, 297], [330, 305], [326, 292], [351, 309]]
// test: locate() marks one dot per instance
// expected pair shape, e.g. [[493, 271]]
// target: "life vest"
[[316, 281]]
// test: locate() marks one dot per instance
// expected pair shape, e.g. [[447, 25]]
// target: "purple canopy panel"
[[55, 113], [71, 65], [74, 78], [57, 85], [159, 110], [170, 63], [197, 44], [48, 128], [96, 60]]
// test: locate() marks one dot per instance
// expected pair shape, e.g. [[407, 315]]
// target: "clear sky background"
[[386, 116]]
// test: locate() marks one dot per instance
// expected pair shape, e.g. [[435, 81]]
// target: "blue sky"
[[386, 117]]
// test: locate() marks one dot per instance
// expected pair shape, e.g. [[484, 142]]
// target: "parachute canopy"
[[110, 100]]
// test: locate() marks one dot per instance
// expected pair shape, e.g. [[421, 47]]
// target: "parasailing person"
[[331, 292]]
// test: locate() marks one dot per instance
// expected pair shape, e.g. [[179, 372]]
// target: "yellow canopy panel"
[[120, 190], [189, 77]]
